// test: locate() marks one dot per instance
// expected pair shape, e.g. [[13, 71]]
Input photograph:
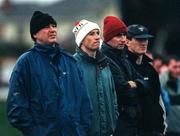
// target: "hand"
[[132, 84]]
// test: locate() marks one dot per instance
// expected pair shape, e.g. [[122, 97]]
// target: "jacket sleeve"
[[17, 102], [142, 82], [119, 79]]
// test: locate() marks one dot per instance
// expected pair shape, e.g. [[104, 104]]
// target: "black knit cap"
[[40, 20]]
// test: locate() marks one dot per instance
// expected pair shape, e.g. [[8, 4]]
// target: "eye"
[[53, 25], [123, 34], [91, 33], [94, 33], [46, 26]]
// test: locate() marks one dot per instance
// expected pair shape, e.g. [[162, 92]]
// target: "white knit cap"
[[82, 28]]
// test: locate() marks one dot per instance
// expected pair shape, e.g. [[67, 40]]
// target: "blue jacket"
[[47, 96]]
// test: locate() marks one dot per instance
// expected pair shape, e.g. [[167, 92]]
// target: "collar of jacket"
[[133, 57], [107, 48], [100, 57], [48, 50]]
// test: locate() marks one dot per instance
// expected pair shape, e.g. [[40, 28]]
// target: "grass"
[[5, 128]]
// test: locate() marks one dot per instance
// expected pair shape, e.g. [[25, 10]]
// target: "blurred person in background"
[[160, 66], [159, 63], [47, 95], [170, 82], [152, 122], [127, 81], [98, 78]]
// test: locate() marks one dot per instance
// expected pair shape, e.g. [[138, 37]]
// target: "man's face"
[[47, 35], [174, 68], [118, 41], [138, 46], [92, 41]]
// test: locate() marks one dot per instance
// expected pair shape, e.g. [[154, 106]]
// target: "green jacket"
[[100, 85]]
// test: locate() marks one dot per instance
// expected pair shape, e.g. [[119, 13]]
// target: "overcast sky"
[[42, 2]]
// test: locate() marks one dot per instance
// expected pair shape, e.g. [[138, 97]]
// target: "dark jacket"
[[152, 112], [100, 86], [128, 98], [123, 71], [47, 96]]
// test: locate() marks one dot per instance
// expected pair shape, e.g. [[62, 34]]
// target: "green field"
[[5, 128]]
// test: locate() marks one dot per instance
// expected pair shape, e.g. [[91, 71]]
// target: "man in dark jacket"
[[47, 96], [152, 122], [98, 78], [127, 81]]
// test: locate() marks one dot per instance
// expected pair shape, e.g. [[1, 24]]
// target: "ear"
[[34, 35], [127, 42]]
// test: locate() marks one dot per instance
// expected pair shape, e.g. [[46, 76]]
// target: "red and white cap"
[[82, 28]]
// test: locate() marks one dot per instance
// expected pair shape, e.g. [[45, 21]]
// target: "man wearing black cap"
[[152, 121], [47, 96]]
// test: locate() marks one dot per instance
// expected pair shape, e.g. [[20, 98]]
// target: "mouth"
[[52, 36], [143, 48], [121, 45], [97, 43]]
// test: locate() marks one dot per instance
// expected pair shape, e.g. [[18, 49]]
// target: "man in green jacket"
[[98, 78]]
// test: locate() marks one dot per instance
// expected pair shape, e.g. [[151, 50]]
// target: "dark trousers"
[[126, 125], [149, 133], [172, 134]]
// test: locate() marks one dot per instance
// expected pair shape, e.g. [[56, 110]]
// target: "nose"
[[52, 27], [123, 39], [97, 36], [144, 42]]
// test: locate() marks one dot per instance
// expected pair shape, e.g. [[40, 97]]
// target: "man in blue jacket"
[[47, 96]]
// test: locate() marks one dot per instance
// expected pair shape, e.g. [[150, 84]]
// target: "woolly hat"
[[82, 28], [38, 21], [112, 27]]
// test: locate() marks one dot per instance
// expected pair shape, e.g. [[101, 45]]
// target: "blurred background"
[[162, 17]]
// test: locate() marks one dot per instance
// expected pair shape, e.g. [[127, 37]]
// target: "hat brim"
[[143, 36]]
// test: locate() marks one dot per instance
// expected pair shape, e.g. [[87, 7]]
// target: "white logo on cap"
[[79, 25], [141, 29]]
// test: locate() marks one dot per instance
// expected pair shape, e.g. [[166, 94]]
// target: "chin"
[[142, 52], [52, 41], [95, 49], [120, 47]]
